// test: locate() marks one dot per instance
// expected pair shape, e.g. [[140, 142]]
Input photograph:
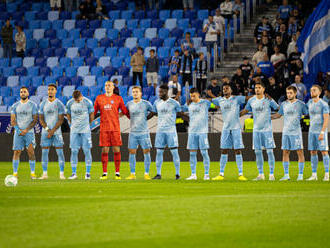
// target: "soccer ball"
[[10, 181]]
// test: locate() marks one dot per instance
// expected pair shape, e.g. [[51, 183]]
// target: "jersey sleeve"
[[248, 105], [184, 108], [13, 109], [177, 107], [208, 103], [149, 107], [154, 107], [90, 106], [61, 108], [68, 107], [325, 108], [215, 101], [122, 106], [41, 108], [34, 109], [281, 111], [240, 99], [273, 104], [96, 105]]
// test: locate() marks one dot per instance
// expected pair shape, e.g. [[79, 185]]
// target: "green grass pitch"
[[164, 213]]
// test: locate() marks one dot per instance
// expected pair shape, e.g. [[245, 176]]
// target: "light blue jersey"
[[261, 109], [230, 109], [292, 113], [24, 113], [198, 115], [138, 115], [316, 111], [51, 111], [79, 112], [166, 111]]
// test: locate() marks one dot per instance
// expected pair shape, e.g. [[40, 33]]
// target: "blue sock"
[[132, 162], [15, 165], [206, 161], [301, 166], [176, 160], [61, 159], [326, 163], [223, 162], [314, 162], [32, 165], [260, 161], [74, 160], [44, 159], [239, 162], [88, 160], [147, 162], [193, 162], [159, 160], [271, 161], [286, 167]]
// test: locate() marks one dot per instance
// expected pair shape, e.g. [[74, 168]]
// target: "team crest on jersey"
[[107, 107], [111, 101]]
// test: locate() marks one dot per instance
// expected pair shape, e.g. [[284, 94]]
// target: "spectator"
[[301, 88], [296, 68], [259, 55], [239, 81], [186, 67], [187, 44], [262, 26], [188, 4], [137, 63], [296, 14], [326, 96], [174, 88], [225, 80], [201, 73], [277, 58], [284, 10], [220, 21], [274, 90], [213, 90], [292, 45], [266, 66], [55, 4], [101, 10], [7, 38], [116, 89], [284, 36], [152, 68], [20, 40], [261, 75], [212, 31], [246, 68], [68, 5], [277, 24], [87, 10], [226, 9], [267, 46], [174, 63], [237, 8], [292, 27]]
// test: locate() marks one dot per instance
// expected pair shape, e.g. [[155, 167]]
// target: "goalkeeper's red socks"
[[104, 159], [117, 159]]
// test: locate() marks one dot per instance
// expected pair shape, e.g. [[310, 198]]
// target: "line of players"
[[80, 113]]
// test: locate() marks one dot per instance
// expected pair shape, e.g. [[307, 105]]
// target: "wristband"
[[322, 132], [47, 129]]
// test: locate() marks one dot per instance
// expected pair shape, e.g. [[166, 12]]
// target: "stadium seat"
[[119, 24], [131, 43], [9, 100], [33, 71], [145, 23], [125, 33], [107, 24], [123, 51], [111, 51], [89, 81], [95, 91], [65, 15], [197, 24], [91, 61], [44, 71], [197, 41], [97, 71], [139, 14], [42, 90], [57, 71], [92, 43], [98, 52], [138, 33], [104, 61], [5, 91], [20, 71], [71, 71], [63, 81], [192, 31], [177, 14], [152, 14], [177, 32], [144, 42], [183, 23], [76, 81], [132, 24], [105, 42], [170, 23], [190, 14], [74, 34], [109, 71], [150, 33], [112, 34], [16, 62], [163, 33], [8, 71], [72, 52], [29, 15], [43, 15], [101, 81], [55, 43], [37, 81], [100, 33], [43, 43], [156, 23], [30, 43], [3, 108], [50, 33], [68, 90], [66, 43], [78, 61], [114, 14], [65, 62], [87, 33], [50, 80], [127, 14], [46, 25], [85, 52], [53, 15], [81, 24], [116, 62], [169, 42], [60, 52], [25, 81], [84, 90], [80, 43], [48, 52], [157, 42], [40, 62], [202, 14], [83, 71], [164, 14], [61, 34], [163, 52], [124, 71], [34, 24], [13, 81], [94, 24], [69, 24], [119, 42]]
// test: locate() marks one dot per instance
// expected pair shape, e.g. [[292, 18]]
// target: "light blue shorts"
[[80, 140], [21, 142], [314, 144], [231, 139], [198, 141], [263, 140], [56, 140], [292, 142], [134, 140], [166, 139]]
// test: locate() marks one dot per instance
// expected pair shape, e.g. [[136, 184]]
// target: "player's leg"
[[16, 156], [18, 147], [301, 164], [105, 144], [45, 144], [257, 145], [238, 146], [313, 147], [173, 144], [203, 143], [132, 147], [325, 155], [267, 141], [226, 143], [115, 139], [286, 163], [86, 147], [58, 144], [145, 144], [30, 144], [271, 163], [160, 144], [75, 144], [192, 146]]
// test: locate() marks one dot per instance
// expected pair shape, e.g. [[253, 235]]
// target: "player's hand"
[[50, 133], [121, 114], [23, 132], [321, 136]]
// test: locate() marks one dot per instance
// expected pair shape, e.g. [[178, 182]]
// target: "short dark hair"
[[140, 48], [188, 33], [152, 50], [76, 94], [317, 86], [163, 86], [52, 85], [24, 87], [213, 78], [293, 88], [193, 90], [261, 83], [137, 87], [228, 85], [177, 51]]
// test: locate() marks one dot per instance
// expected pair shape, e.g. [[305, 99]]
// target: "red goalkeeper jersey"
[[109, 108]]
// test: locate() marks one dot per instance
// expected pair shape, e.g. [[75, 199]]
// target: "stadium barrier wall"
[[6, 142]]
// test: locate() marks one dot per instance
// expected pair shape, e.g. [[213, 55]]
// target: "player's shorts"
[[20, 142], [166, 139], [314, 144], [56, 140], [292, 142], [263, 140], [231, 139], [80, 140], [198, 141], [110, 138], [134, 140]]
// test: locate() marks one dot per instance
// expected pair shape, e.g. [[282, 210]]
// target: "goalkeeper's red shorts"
[[110, 138]]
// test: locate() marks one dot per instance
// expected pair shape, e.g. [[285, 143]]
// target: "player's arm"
[[68, 116], [150, 115], [42, 121], [31, 125], [57, 126], [123, 108], [243, 112], [91, 117], [13, 123], [325, 125], [96, 107], [275, 116]]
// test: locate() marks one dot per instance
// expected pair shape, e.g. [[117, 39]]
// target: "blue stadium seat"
[[43, 15], [123, 51], [157, 42], [92, 43], [105, 61], [170, 23], [57, 71], [40, 62], [50, 33], [177, 14], [65, 15], [107, 24], [112, 34], [105, 42], [76, 81], [67, 43], [83, 71], [138, 33], [72, 52], [202, 14], [100, 33], [84, 90], [97, 71], [80, 43], [116, 62], [69, 24], [16, 91], [71, 71], [74, 33], [183, 23], [164, 14], [127, 61], [94, 91], [74, 14], [144, 42], [150, 33], [127, 14], [60, 52], [43, 43], [91, 61], [145, 23], [139, 14], [63, 99], [29, 15], [57, 25], [119, 42], [119, 24], [130, 43], [5, 91], [89, 81], [31, 43], [111, 51], [197, 24], [61, 34], [68, 90], [55, 43], [197, 41], [114, 14], [9, 100], [124, 71], [16, 62], [147, 51], [3, 108], [163, 33], [78, 61], [81, 24], [34, 24], [8, 71], [169, 42], [109, 71], [20, 71], [101, 81], [42, 90], [190, 14], [173, 50], [85, 52], [37, 81], [163, 52], [156, 23], [177, 32], [25, 81], [4, 62], [33, 71], [13, 81], [63, 80], [192, 31], [45, 24], [98, 52], [65, 62], [94, 24], [50, 80], [87, 33], [44, 71], [132, 24], [48, 52]]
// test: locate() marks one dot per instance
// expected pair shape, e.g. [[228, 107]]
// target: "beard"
[[24, 98]]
